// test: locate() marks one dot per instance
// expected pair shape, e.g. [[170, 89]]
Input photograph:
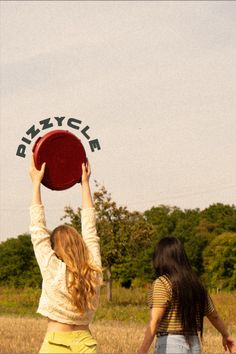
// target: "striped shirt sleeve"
[[209, 306], [160, 294]]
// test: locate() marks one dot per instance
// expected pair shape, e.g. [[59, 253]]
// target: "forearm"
[[218, 323], [148, 338], [88, 223], [156, 315], [40, 237], [87, 201], [36, 196]]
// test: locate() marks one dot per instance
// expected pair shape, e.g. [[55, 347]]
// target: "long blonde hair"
[[83, 276]]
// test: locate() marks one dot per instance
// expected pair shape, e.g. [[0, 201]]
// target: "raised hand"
[[86, 172], [87, 201], [36, 175]]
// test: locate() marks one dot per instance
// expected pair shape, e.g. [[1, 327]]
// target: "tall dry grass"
[[118, 328], [25, 335]]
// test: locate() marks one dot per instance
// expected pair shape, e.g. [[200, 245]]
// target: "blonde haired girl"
[[71, 270]]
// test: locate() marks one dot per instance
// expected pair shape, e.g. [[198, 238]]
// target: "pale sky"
[[156, 83]]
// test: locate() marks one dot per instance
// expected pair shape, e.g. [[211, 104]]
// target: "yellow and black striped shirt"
[[161, 296]]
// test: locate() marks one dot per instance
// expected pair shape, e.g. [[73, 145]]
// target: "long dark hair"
[[170, 260]]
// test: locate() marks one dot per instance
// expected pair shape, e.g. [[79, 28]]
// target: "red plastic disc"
[[64, 154]]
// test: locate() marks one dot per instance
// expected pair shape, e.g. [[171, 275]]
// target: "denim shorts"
[[177, 344]]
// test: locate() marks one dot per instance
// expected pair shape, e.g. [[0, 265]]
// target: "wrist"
[[85, 183]]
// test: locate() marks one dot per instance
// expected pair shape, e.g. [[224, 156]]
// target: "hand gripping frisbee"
[[64, 154]]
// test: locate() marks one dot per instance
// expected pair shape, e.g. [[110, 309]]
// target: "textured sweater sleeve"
[[40, 237], [89, 234]]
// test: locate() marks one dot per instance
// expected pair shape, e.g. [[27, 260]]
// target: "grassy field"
[[126, 305], [118, 327]]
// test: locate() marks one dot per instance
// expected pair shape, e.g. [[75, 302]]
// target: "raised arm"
[[88, 217], [87, 201], [36, 176], [40, 236]]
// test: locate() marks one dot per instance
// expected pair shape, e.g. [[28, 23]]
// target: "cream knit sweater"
[[55, 301]]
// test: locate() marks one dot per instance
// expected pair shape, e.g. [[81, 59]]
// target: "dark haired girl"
[[178, 303]]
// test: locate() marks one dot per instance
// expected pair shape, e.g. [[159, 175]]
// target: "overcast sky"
[[154, 81]]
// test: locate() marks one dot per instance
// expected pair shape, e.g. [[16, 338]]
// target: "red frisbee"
[[64, 154]]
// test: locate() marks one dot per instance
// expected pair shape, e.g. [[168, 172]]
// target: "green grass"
[[20, 302], [128, 305]]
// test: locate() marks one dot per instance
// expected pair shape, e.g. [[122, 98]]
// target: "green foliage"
[[161, 218], [128, 239], [20, 302], [220, 261], [18, 266], [74, 217], [135, 261], [129, 305], [222, 216], [195, 228], [124, 236]]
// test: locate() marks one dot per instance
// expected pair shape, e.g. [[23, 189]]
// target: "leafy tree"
[[223, 216], [220, 261], [128, 239], [111, 226], [18, 266], [135, 262], [171, 221], [194, 248], [125, 238], [186, 224], [199, 237], [160, 218], [74, 216]]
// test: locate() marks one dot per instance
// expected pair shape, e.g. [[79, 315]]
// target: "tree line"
[[128, 239]]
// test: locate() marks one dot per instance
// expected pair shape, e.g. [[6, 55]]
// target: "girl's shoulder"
[[162, 283], [162, 279], [161, 292]]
